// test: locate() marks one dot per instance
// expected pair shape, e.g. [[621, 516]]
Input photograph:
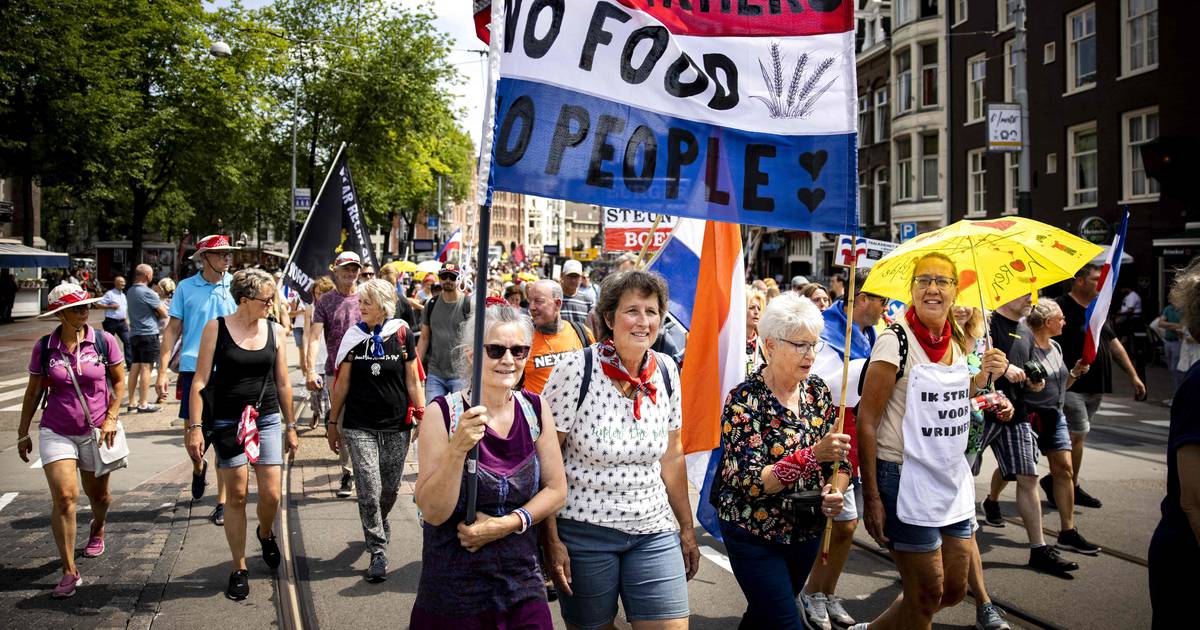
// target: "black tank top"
[[238, 375]]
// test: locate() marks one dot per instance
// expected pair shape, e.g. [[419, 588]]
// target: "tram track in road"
[[295, 608]]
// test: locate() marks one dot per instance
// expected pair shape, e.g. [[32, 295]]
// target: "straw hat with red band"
[[213, 243], [64, 296]]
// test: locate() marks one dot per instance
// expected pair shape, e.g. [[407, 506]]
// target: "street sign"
[[432, 222], [1004, 127], [303, 198], [869, 251], [907, 231], [629, 230]]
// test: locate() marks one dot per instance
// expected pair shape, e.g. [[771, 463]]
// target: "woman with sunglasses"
[[379, 386], [627, 525], [486, 574], [778, 439], [913, 429], [74, 371], [243, 363]]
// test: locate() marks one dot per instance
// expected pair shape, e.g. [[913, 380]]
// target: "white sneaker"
[[813, 609], [859, 626], [837, 613]]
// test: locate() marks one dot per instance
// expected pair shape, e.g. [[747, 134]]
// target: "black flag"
[[334, 225]]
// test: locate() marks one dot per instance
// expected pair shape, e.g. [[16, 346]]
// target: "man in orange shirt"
[[553, 337]]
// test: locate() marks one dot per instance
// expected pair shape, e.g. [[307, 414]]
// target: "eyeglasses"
[[805, 347], [876, 298], [368, 274], [942, 282], [219, 254], [496, 351], [268, 301]]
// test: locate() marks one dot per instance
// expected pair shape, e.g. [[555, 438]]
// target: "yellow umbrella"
[[403, 266], [998, 260], [528, 277]]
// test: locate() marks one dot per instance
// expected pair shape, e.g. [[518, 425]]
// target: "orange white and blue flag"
[[1097, 311], [703, 266]]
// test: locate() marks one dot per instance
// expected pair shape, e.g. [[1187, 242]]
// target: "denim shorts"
[[646, 570], [270, 442], [1080, 409], [1054, 437], [903, 536]]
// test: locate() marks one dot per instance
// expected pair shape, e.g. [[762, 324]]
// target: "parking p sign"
[[907, 231]]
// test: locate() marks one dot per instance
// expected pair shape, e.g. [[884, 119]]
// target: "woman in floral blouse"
[[777, 438]]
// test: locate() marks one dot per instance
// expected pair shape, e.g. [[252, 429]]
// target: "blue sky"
[[455, 20]]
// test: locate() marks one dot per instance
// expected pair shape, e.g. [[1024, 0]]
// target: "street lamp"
[[220, 50]]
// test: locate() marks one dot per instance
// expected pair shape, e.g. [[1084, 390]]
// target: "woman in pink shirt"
[[66, 433]]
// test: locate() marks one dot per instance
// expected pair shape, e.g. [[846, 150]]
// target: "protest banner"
[[869, 251]]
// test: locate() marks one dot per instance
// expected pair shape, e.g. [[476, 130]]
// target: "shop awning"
[[17, 255]]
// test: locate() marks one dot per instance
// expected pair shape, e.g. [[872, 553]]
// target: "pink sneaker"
[[67, 585], [94, 548]]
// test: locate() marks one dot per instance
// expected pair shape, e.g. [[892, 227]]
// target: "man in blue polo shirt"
[[198, 299]]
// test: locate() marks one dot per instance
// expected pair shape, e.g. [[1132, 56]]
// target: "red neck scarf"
[[613, 368], [934, 346]]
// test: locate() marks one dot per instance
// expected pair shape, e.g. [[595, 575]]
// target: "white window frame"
[[1049, 53], [882, 117], [977, 182], [1072, 159], [1131, 159], [902, 12], [903, 77], [925, 167], [1072, 80], [961, 8], [864, 115], [1051, 163], [1012, 179], [1002, 21], [880, 181], [1010, 72], [1150, 46], [863, 191], [925, 65], [974, 104], [903, 187]]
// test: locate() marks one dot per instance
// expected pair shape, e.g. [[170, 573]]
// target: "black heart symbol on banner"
[[811, 198], [813, 163]]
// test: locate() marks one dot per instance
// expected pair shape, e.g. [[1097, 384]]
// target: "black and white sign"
[[1004, 127]]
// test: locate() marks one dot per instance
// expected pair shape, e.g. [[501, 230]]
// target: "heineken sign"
[[1095, 230]]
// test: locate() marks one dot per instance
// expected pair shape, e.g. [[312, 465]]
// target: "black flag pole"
[[481, 268]]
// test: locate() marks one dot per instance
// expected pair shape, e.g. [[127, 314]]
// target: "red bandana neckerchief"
[[610, 362], [934, 347]]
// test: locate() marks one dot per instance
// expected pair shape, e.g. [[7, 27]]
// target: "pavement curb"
[[150, 600]]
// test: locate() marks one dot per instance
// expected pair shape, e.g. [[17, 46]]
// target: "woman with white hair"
[[486, 574], [379, 387], [775, 481]]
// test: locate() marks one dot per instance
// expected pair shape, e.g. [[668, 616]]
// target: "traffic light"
[[1169, 161]]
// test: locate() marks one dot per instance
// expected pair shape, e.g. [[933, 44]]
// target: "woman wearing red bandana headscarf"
[[617, 405], [919, 497]]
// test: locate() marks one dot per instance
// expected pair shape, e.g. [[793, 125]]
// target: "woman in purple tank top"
[[486, 575]]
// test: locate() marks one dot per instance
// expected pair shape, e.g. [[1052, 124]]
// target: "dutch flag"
[[451, 246], [1097, 311]]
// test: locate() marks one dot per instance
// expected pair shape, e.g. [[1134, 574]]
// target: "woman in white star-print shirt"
[[618, 421]]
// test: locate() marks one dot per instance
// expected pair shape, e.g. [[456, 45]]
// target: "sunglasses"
[[496, 351], [268, 301]]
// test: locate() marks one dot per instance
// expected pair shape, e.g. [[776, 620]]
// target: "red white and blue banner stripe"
[[741, 112], [1097, 311]]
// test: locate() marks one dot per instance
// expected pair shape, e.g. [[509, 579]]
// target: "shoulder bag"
[[107, 458]]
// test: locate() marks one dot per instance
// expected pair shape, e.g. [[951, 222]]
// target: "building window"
[[1048, 54], [882, 115], [1051, 163], [864, 117], [904, 85], [864, 193], [1010, 73], [882, 195], [1012, 181], [929, 166], [904, 170], [1004, 13], [960, 12], [1139, 35], [1081, 49], [902, 12], [929, 74], [976, 76], [1138, 128], [976, 182], [929, 8], [1081, 165]]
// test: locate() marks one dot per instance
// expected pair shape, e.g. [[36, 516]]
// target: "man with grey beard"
[[553, 337]]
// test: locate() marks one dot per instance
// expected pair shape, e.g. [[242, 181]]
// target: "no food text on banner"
[[701, 113]]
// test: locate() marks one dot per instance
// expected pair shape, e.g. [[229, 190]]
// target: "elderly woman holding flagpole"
[[380, 389]]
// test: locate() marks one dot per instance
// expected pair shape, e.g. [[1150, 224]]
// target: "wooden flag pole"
[[641, 262], [848, 302]]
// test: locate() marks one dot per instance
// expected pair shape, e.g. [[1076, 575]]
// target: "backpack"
[[462, 306], [587, 375], [101, 341], [902, 337]]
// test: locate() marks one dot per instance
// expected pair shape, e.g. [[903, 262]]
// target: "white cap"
[[571, 267], [347, 258]]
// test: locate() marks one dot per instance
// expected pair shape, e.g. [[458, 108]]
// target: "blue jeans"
[[904, 536], [437, 386], [770, 575]]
